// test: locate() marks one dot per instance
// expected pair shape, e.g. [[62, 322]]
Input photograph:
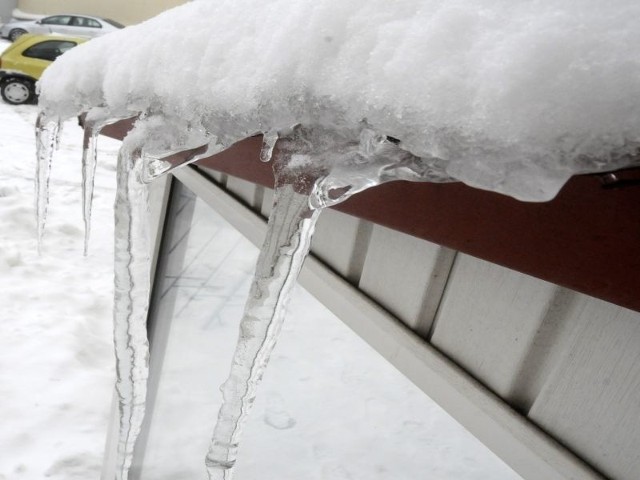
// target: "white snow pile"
[[511, 96]]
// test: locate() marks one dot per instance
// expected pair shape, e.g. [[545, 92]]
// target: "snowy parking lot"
[[56, 360]]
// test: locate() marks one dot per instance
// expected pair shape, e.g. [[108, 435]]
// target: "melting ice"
[[47, 135], [512, 97], [307, 180]]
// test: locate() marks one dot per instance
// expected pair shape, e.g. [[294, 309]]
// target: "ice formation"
[[47, 136], [513, 97], [131, 293], [315, 167], [94, 122], [281, 258]]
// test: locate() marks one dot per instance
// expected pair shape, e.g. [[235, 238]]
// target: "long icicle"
[[291, 226], [132, 285], [95, 120], [47, 135], [315, 168], [89, 160]]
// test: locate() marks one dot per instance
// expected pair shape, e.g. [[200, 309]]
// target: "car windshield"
[[48, 50], [113, 22]]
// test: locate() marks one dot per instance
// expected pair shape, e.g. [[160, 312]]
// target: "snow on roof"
[[511, 96]]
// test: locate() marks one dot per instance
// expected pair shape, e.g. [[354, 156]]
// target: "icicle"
[[285, 247], [132, 284], [89, 159], [155, 167], [269, 140], [170, 145], [376, 159], [94, 122], [47, 138], [316, 168]]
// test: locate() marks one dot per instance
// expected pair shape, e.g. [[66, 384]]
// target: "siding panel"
[[407, 279], [503, 327], [592, 401], [341, 242]]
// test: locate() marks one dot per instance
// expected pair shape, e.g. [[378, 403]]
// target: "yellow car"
[[22, 64]]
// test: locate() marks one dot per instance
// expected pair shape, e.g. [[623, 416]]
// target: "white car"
[[68, 24]]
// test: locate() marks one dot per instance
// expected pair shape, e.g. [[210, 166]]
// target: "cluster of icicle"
[[513, 97], [315, 167]]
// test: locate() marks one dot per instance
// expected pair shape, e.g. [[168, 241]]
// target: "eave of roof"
[[586, 239]]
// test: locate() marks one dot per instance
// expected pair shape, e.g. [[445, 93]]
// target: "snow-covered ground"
[[56, 360]]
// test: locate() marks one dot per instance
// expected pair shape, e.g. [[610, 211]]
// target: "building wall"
[[6, 6], [124, 11]]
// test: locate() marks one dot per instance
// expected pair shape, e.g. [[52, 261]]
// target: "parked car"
[[22, 64], [68, 24]]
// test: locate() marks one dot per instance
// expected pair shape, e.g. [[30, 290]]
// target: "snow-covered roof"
[[511, 96]]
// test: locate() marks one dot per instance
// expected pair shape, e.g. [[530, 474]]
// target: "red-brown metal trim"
[[586, 239]]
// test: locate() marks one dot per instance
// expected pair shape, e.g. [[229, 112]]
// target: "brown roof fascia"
[[586, 239]]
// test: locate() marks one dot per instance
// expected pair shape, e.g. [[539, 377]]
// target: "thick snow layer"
[[56, 360], [513, 96]]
